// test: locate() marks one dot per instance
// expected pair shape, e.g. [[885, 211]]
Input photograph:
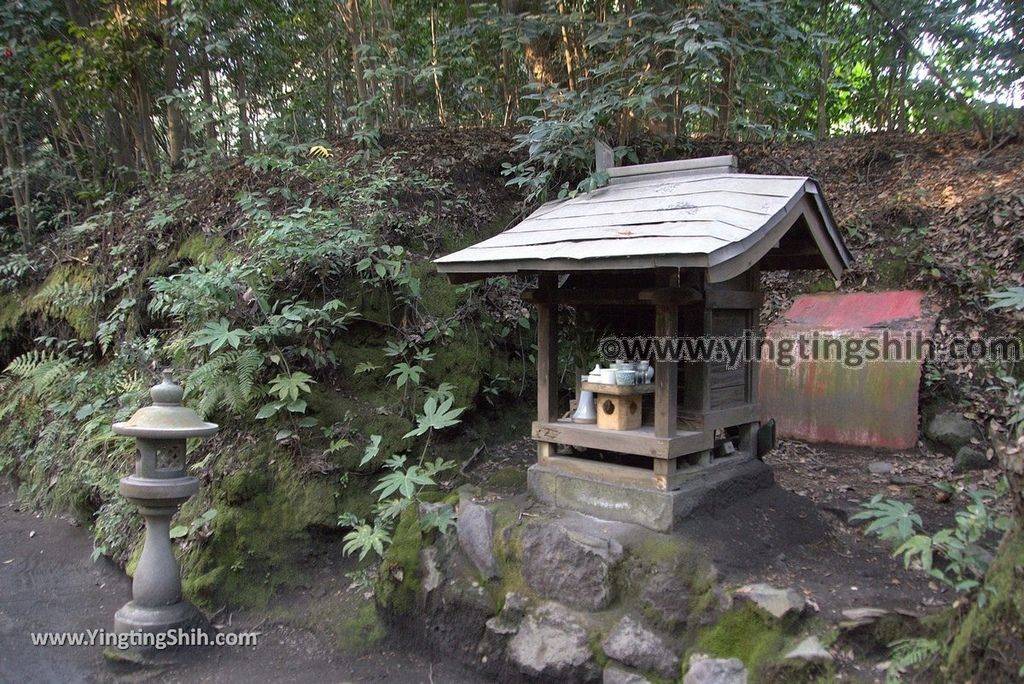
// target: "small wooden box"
[[619, 412], [619, 407]]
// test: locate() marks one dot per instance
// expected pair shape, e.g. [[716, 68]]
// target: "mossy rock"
[[893, 271], [350, 356], [796, 671], [203, 249], [244, 486], [989, 645], [359, 632], [398, 577], [255, 541], [508, 552], [363, 416], [133, 560], [375, 304], [745, 633], [12, 308], [440, 297], [464, 362], [509, 477]]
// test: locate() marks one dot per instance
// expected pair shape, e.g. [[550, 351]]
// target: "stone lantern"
[[158, 487]]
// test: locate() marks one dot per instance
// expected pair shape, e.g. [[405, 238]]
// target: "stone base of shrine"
[[712, 486]]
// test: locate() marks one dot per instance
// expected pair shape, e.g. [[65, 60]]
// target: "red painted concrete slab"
[[870, 404], [834, 311]]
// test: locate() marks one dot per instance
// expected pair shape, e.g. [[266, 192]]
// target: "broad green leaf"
[[215, 334], [435, 416], [371, 450]]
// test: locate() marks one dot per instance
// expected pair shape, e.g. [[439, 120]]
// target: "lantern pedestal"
[[182, 615], [157, 605], [159, 487]]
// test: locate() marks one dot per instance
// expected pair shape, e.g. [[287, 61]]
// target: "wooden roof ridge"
[[692, 213]]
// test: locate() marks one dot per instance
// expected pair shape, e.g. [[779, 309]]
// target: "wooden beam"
[[612, 296], [721, 418], [721, 164], [463, 278], [678, 296], [617, 390], [666, 372], [641, 442], [734, 299], [573, 297], [547, 353], [605, 472]]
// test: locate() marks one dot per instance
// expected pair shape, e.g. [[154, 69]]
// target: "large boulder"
[[969, 458], [668, 597], [951, 429], [705, 670], [811, 650], [573, 567], [511, 616], [779, 603], [615, 674], [633, 644], [475, 529], [552, 644]]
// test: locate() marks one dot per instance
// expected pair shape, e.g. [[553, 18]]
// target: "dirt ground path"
[[49, 583]]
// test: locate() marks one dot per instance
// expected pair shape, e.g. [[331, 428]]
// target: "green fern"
[[70, 293], [909, 653], [38, 371], [24, 365], [248, 366], [227, 380]]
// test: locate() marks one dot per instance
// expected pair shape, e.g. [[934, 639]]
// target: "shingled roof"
[[696, 213]]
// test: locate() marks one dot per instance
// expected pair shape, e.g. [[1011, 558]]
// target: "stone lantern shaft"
[[159, 485]]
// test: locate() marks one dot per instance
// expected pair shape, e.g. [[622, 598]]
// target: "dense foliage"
[[96, 94], [204, 184], [301, 317]]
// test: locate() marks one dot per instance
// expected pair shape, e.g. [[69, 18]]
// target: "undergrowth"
[[320, 263]]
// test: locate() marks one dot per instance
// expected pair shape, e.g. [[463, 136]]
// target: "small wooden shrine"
[[668, 250]]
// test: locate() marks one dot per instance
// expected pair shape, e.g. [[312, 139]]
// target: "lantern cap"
[[166, 418]]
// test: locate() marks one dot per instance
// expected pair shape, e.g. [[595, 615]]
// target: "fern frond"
[[909, 653], [39, 370], [73, 294], [248, 366], [228, 379], [24, 365]]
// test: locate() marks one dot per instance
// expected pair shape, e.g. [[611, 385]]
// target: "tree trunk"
[[824, 75], [330, 111], [567, 50], [979, 124], [242, 102], [349, 11], [122, 152], [19, 182], [433, 64], [175, 122], [386, 41], [725, 102], [209, 123]]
